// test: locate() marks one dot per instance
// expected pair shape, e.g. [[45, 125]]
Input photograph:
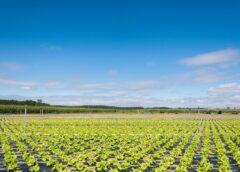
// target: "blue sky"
[[125, 53]]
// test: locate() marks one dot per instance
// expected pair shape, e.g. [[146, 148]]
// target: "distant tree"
[[20, 103], [39, 101]]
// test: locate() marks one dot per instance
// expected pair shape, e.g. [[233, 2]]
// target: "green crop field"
[[43, 144]]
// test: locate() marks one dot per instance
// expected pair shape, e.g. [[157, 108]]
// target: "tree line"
[[25, 102]]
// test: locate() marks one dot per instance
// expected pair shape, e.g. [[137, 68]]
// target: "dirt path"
[[161, 116]]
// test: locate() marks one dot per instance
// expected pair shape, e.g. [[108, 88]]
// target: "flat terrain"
[[105, 142], [122, 116]]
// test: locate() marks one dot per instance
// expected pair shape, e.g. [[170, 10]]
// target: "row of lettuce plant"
[[227, 135], [205, 165], [223, 160], [168, 160], [10, 159]]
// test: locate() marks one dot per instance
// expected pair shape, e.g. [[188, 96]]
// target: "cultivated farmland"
[[51, 144]]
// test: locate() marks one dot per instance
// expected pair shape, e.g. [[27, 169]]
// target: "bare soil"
[[161, 116]]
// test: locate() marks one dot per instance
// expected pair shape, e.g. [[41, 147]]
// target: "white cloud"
[[142, 93], [228, 88], [16, 82], [224, 95], [119, 92], [96, 100], [128, 87], [221, 96], [204, 75], [25, 85], [208, 101], [210, 75], [133, 85], [52, 83], [26, 88], [90, 86], [222, 57], [146, 93]]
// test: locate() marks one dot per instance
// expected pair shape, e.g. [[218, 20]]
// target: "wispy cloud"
[[207, 101], [48, 85], [205, 75], [96, 85], [52, 83], [222, 57], [98, 100], [134, 93], [220, 96], [12, 66], [227, 94], [227, 88], [24, 85], [197, 77], [128, 87]]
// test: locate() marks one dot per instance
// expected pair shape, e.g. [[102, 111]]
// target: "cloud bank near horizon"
[[211, 70]]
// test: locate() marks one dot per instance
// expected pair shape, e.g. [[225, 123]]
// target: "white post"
[[25, 119], [41, 111]]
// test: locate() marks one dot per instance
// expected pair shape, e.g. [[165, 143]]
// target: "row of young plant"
[[167, 161], [186, 160], [101, 165], [102, 126], [233, 128], [23, 149], [45, 155], [103, 159], [223, 160], [69, 147], [153, 158], [227, 135], [10, 159], [63, 156], [205, 165]]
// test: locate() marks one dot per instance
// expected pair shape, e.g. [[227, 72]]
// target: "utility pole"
[[25, 119], [41, 111]]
